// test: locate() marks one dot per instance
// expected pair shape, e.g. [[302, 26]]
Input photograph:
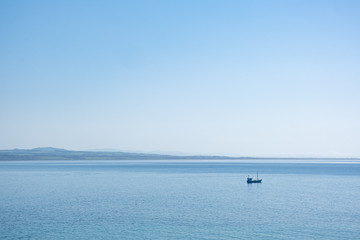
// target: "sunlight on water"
[[178, 200]]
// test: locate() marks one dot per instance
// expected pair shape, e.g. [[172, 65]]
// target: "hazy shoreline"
[[63, 154]]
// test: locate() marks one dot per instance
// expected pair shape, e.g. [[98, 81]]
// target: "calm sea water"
[[179, 200]]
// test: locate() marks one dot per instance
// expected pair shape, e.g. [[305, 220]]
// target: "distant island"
[[49, 153]]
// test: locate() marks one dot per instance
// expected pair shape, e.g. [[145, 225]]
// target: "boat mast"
[[257, 175]]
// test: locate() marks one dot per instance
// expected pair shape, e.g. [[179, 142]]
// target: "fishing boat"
[[251, 180]]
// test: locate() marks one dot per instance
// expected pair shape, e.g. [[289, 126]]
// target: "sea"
[[173, 199]]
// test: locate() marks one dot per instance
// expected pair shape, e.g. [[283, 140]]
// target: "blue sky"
[[244, 78]]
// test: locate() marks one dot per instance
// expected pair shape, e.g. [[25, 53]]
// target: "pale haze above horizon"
[[238, 78]]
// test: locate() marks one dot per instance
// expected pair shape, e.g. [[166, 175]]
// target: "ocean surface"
[[179, 199]]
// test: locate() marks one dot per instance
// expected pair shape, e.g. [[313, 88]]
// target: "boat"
[[251, 180]]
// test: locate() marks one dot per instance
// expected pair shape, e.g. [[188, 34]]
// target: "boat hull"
[[254, 181]]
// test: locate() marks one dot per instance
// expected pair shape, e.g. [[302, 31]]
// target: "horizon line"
[[168, 153]]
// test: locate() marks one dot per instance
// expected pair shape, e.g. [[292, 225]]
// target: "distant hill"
[[49, 153]]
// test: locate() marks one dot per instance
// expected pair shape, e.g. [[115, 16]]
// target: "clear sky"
[[244, 78]]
